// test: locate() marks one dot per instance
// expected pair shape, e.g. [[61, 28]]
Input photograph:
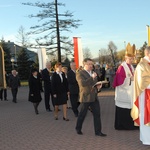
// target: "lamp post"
[[15, 52], [12, 62]]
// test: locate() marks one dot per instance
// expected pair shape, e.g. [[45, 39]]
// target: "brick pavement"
[[21, 129]]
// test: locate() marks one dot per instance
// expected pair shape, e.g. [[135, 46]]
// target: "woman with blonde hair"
[[60, 90]]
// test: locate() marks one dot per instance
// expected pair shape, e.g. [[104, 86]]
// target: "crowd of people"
[[74, 87]]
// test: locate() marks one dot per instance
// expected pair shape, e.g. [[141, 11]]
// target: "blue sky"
[[102, 21]]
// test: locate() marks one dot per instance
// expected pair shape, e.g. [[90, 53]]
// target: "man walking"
[[14, 83], [88, 97], [46, 76], [73, 88]]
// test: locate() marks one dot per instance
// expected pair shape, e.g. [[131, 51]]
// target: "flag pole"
[[148, 32]]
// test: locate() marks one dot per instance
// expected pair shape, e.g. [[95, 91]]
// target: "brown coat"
[[86, 91]]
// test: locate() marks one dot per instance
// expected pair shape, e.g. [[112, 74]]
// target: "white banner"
[[42, 58]]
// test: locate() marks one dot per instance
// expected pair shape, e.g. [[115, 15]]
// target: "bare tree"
[[22, 37], [87, 53], [120, 55], [51, 24], [103, 56], [112, 49]]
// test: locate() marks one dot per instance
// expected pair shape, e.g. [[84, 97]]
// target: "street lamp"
[[15, 51], [15, 54], [12, 62]]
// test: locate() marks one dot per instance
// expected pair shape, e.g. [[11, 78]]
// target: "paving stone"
[[22, 129]]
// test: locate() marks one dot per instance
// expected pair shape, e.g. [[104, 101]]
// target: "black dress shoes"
[[100, 134], [56, 118], [79, 132], [65, 119]]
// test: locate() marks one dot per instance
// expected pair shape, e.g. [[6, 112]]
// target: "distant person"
[[88, 97], [97, 69], [60, 91], [103, 72], [46, 76], [141, 108], [35, 89], [123, 84], [110, 74], [14, 83], [4, 89], [73, 88]]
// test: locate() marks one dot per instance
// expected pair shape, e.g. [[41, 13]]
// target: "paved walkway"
[[21, 129]]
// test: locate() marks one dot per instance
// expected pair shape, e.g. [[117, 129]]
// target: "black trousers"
[[5, 94], [96, 115], [14, 93], [74, 99], [47, 94]]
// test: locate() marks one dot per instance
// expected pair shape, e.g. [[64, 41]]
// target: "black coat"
[[59, 88], [46, 76], [14, 81], [34, 89], [72, 82]]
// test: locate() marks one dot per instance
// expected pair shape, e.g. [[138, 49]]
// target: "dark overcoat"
[[59, 88], [34, 89], [72, 82]]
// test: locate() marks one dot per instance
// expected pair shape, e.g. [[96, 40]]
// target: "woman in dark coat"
[[35, 89], [60, 90]]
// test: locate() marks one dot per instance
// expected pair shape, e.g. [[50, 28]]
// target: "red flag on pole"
[[78, 53]]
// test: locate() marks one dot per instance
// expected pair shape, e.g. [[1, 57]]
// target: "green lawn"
[[24, 83]]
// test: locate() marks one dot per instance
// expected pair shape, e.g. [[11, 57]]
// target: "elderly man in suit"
[[73, 88], [14, 83], [46, 76], [88, 97]]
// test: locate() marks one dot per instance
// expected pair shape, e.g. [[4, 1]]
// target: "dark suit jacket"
[[59, 87], [86, 82], [46, 78], [14, 82], [72, 82]]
